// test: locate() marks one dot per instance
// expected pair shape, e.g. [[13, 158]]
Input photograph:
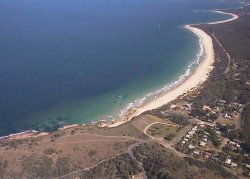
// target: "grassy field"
[[162, 130]]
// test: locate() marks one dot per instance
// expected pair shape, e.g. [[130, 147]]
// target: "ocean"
[[77, 61]]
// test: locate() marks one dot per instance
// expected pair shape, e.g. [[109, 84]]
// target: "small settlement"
[[214, 134]]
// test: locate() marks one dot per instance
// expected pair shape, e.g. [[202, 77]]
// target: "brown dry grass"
[[83, 148]]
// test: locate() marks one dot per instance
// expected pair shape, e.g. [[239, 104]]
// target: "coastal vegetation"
[[246, 125], [160, 163], [228, 86]]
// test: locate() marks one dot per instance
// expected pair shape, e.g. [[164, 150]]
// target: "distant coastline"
[[194, 80], [234, 17]]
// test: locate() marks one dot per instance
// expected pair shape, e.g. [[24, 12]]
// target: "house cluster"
[[188, 136], [194, 141], [209, 110], [234, 156], [185, 106], [197, 142], [230, 111], [234, 145], [204, 141]]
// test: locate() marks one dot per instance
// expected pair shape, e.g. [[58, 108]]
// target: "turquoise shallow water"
[[78, 61]]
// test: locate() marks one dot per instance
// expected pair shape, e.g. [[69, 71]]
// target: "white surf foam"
[[151, 95]]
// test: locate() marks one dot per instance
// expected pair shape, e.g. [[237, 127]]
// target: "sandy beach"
[[195, 80], [234, 17]]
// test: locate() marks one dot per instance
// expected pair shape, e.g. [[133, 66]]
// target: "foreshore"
[[196, 79]]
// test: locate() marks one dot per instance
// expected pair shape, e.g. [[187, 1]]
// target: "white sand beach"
[[195, 80], [234, 17]]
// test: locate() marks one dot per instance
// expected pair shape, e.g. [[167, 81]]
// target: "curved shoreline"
[[200, 75], [234, 17]]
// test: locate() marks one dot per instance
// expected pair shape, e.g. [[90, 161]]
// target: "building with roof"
[[202, 144], [228, 161], [190, 146]]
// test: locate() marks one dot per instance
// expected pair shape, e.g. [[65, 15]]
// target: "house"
[[206, 108], [228, 161], [218, 132], [237, 104], [222, 101], [196, 152], [186, 139], [205, 139], [232, 143], [188, 136], [238, 145], [202, 144], [191, 146], [194, 129], [246, 155], [191, 132], [183, 142], [248, 166], [234, 164], [213, 112], [227, 116]]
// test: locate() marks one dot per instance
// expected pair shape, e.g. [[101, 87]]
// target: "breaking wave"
[[152, 95]]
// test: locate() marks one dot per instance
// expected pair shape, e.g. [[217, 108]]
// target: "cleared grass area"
[[143, 121], [161, 130]]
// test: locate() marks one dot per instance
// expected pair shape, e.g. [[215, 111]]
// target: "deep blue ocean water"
[[76, 61]]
